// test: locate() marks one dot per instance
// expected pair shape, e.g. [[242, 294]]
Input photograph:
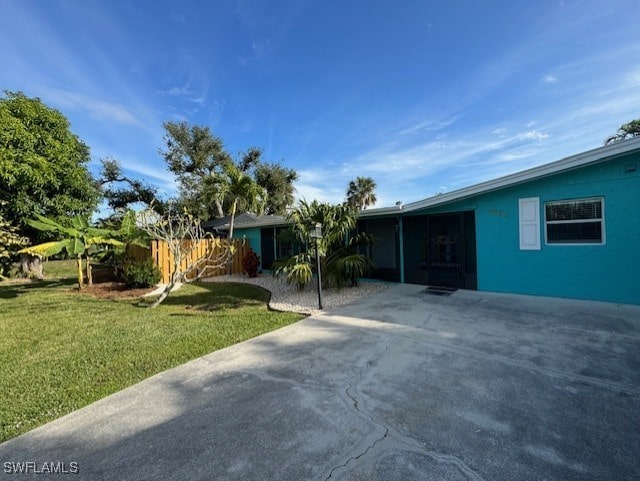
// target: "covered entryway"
[[385, 251], [440, 250]]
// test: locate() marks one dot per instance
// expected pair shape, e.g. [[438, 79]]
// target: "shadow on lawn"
[[215, 296], [14, 289]]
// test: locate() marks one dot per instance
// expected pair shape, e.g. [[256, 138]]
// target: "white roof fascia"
[[381, 211]]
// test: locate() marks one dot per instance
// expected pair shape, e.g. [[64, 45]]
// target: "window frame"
[[576, 221]]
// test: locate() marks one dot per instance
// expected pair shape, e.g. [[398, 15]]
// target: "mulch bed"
[[113, 290]]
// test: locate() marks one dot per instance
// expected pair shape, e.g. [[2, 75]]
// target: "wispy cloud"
[[430, 126], [185, 92], [96, 108], [550, 79]]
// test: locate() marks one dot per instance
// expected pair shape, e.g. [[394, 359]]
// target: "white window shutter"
[[529, 210]]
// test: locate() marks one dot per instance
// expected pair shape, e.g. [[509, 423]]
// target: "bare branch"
[[184, 236]]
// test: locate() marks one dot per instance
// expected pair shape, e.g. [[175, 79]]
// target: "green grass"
[[61, 350]]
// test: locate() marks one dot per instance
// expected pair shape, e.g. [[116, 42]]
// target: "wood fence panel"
[[161, 255]]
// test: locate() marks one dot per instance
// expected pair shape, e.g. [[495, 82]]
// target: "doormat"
[[440, 290]]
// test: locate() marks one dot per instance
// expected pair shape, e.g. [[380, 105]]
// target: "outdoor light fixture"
[[316, 233]]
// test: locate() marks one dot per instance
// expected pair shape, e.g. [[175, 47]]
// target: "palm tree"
[[626, 131], [238, 190], [340, 261], [360, 193]]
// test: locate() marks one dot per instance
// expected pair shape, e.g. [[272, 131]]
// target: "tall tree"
[[278, 182], [205, 169], [626, 131], [240, 191], [42, 164], [197, 158], [361, 192]]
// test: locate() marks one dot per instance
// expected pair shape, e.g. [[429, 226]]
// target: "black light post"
[[316, 233]]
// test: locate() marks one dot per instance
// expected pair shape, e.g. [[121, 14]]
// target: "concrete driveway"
[[400, 386]]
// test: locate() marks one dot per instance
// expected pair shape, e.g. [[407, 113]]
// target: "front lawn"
[[61, 350]]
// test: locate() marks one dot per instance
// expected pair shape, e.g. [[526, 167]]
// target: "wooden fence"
[[159, 252]]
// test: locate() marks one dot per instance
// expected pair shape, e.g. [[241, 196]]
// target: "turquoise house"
[[565, 229]]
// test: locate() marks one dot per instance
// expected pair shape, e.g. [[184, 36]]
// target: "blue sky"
[[424, 97]]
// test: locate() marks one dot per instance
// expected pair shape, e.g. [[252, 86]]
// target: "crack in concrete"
[[356, 405], [413, 444], [354, 458], [426, 336], [420, 448]]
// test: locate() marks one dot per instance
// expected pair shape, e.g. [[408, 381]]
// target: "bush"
[[250, 263], [139, 274]]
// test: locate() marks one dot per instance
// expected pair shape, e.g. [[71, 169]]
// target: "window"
[[578, 221]]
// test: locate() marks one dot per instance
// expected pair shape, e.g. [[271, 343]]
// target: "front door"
[[445, 250]]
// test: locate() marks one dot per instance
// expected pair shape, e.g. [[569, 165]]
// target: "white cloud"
[[499, 131], [533, 135], [550, 79]]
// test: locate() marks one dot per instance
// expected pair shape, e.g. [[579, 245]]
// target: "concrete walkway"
[[403, 385]]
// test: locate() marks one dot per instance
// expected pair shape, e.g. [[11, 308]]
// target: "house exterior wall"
[[608, 272], [253, 236]]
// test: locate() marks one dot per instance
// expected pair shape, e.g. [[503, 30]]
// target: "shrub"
[[139, 274], [250, 263]]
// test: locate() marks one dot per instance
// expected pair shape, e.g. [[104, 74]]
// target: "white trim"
[[576, 221], [529, 223]]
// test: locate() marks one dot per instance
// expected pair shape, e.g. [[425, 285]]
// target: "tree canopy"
[[626, 131], [278, 182], [120, 190], [42, 164], [206, 171]]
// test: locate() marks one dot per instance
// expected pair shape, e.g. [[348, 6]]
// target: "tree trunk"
[[173, 280], [80, 273], [89, 271], [31, 267], [219, 208]]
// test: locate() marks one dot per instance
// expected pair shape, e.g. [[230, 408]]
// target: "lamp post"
[[316, 233]]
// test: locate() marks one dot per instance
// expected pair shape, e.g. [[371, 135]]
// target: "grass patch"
[[61, 350]]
